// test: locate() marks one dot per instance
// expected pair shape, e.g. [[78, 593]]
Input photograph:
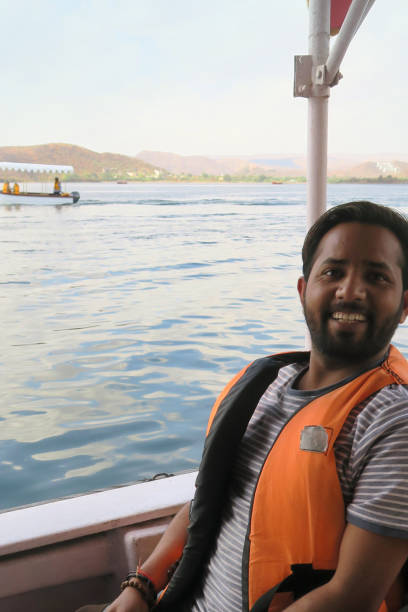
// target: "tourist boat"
[[22, 196], [67, 553]]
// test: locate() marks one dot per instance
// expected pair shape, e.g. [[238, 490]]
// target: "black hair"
[[357, 212]]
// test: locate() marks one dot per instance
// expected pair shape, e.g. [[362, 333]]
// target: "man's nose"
[[351, 287]]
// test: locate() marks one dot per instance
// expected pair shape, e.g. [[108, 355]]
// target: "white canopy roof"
[[5, 165]]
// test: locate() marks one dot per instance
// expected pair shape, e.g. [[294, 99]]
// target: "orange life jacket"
[[306, 480], [298, 513]]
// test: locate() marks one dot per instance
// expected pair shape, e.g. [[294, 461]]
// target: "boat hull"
[[39, 199]]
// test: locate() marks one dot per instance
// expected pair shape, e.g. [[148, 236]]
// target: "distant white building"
[[387, 168]]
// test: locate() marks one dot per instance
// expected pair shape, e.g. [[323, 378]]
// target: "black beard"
[[341, 347]]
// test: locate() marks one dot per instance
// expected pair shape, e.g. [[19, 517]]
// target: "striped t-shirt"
[[372, 463]]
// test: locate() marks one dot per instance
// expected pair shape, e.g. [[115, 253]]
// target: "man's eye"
[[331, 273], [378, 277]]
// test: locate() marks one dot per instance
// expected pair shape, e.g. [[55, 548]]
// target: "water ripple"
[[123, 318]]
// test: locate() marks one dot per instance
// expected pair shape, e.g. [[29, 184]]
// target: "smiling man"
[[301, 500], [353, 296]]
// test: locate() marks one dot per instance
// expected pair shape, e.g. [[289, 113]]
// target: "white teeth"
[[348, 316]]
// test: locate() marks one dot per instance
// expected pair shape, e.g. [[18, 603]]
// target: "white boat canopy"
[[5, 165]]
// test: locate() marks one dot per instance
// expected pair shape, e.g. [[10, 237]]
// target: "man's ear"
[[405, 307], [301, 287]]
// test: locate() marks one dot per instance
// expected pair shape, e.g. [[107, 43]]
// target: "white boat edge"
[[38, 199], [68, 550]]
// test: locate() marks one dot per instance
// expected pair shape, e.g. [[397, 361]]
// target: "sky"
[[193, 77]]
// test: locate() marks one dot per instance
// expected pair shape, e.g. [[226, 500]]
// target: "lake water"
[[123, 317]]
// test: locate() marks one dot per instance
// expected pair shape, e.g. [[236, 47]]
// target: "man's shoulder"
[[386, 409], [395, 392]]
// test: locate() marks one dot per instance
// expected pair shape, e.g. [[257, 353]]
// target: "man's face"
[[353, 300]]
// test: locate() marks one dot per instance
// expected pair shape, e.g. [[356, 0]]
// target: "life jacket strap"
[[304, 578]]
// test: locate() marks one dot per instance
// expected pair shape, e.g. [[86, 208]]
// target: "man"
[[57, 186], [301, 499]]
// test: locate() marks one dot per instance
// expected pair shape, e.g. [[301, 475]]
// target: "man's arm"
[[169, 549], [167, 552], [368, 566]]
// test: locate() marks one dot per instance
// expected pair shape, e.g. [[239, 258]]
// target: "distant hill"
[[181, 164], [199, 164], [152, 165], [343, 166], [88, 165], [273, 165], [371, 169]]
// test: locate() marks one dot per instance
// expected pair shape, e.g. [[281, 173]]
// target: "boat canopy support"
[[55, 168], [315, 73], [354, 18]]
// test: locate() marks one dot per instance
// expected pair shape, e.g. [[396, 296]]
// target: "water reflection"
[[121, 322]]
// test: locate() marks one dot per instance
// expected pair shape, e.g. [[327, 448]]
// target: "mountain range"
[[90, 165]]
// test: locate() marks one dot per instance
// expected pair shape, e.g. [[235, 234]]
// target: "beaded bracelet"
[[147, 592], [145, 577], [142, 583]]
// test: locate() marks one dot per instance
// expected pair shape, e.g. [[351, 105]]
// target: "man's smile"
[[348, 317]]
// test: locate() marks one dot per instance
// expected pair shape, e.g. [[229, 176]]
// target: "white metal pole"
[[319, 43], [355, 16]]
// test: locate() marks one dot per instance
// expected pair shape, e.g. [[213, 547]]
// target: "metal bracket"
[[319, 75], [303, 76], [311, 80], [336, 79]]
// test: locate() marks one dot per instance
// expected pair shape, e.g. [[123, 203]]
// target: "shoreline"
[[239, 180]]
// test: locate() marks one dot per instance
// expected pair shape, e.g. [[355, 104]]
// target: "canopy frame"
[[55, 168], [315, 73]]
